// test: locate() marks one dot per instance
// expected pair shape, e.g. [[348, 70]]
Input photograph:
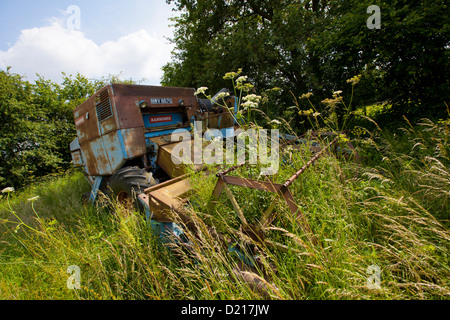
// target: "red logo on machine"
[[159, 119]]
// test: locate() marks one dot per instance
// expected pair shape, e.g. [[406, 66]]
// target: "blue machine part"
[[168, 232], [172, 233], [154, 146], [241, 256], [95, 188]]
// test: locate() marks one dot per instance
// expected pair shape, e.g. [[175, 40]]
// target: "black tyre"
[[127, 183]]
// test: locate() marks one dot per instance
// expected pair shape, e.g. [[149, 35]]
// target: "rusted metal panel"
[[165, 154], [105, 111], [158, 99], [75, 151], [133, 142], [87, 115], [226, 120], [114, 152], [165, 160], [108, 153], [110, 124], [97, 161], [168, 196], [107, 126], [94, 118], [76, 158], [86, 122], [216, 120]]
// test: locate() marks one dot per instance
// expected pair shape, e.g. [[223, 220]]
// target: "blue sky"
[[127, 37]]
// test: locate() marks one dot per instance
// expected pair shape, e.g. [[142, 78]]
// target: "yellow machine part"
[[166, 197]]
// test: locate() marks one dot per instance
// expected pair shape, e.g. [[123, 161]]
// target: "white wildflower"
[[222, 95], [249, 105], [241, 79], [8, 190], [252, 98], [33, 199], [201, 90]]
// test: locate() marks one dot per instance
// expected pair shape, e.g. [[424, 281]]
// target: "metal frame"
[[282, 190]]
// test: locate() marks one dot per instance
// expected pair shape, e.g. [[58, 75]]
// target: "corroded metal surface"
[[111, 125]]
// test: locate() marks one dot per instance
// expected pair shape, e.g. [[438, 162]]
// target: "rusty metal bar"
[[307, 165], [281, 189], [230, 169], [218, 188], [252, 184]]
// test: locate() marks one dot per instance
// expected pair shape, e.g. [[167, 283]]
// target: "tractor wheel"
[[127, 183]]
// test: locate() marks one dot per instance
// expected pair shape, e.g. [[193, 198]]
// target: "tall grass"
[[391, 211]]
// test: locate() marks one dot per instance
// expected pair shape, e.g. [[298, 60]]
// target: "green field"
[[389, 212]]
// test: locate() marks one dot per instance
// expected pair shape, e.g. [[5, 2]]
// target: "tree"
[[405, 61], [38, 125], [316, 46]]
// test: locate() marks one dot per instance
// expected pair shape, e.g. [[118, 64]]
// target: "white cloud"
[[53, 49]]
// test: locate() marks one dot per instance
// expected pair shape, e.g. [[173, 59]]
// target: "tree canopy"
[[316, 46], [38, 125]]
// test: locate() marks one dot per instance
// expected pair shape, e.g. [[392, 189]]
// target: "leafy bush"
[[38, 124]]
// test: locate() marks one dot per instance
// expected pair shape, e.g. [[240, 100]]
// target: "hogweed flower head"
[[8, 190], [201, 90], [222, 95], [252, 97], [354, 80], [306, 95], [249, 105], [241, 79], [232, 75]]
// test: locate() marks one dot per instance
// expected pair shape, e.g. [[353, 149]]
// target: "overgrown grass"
[[391, 210]]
